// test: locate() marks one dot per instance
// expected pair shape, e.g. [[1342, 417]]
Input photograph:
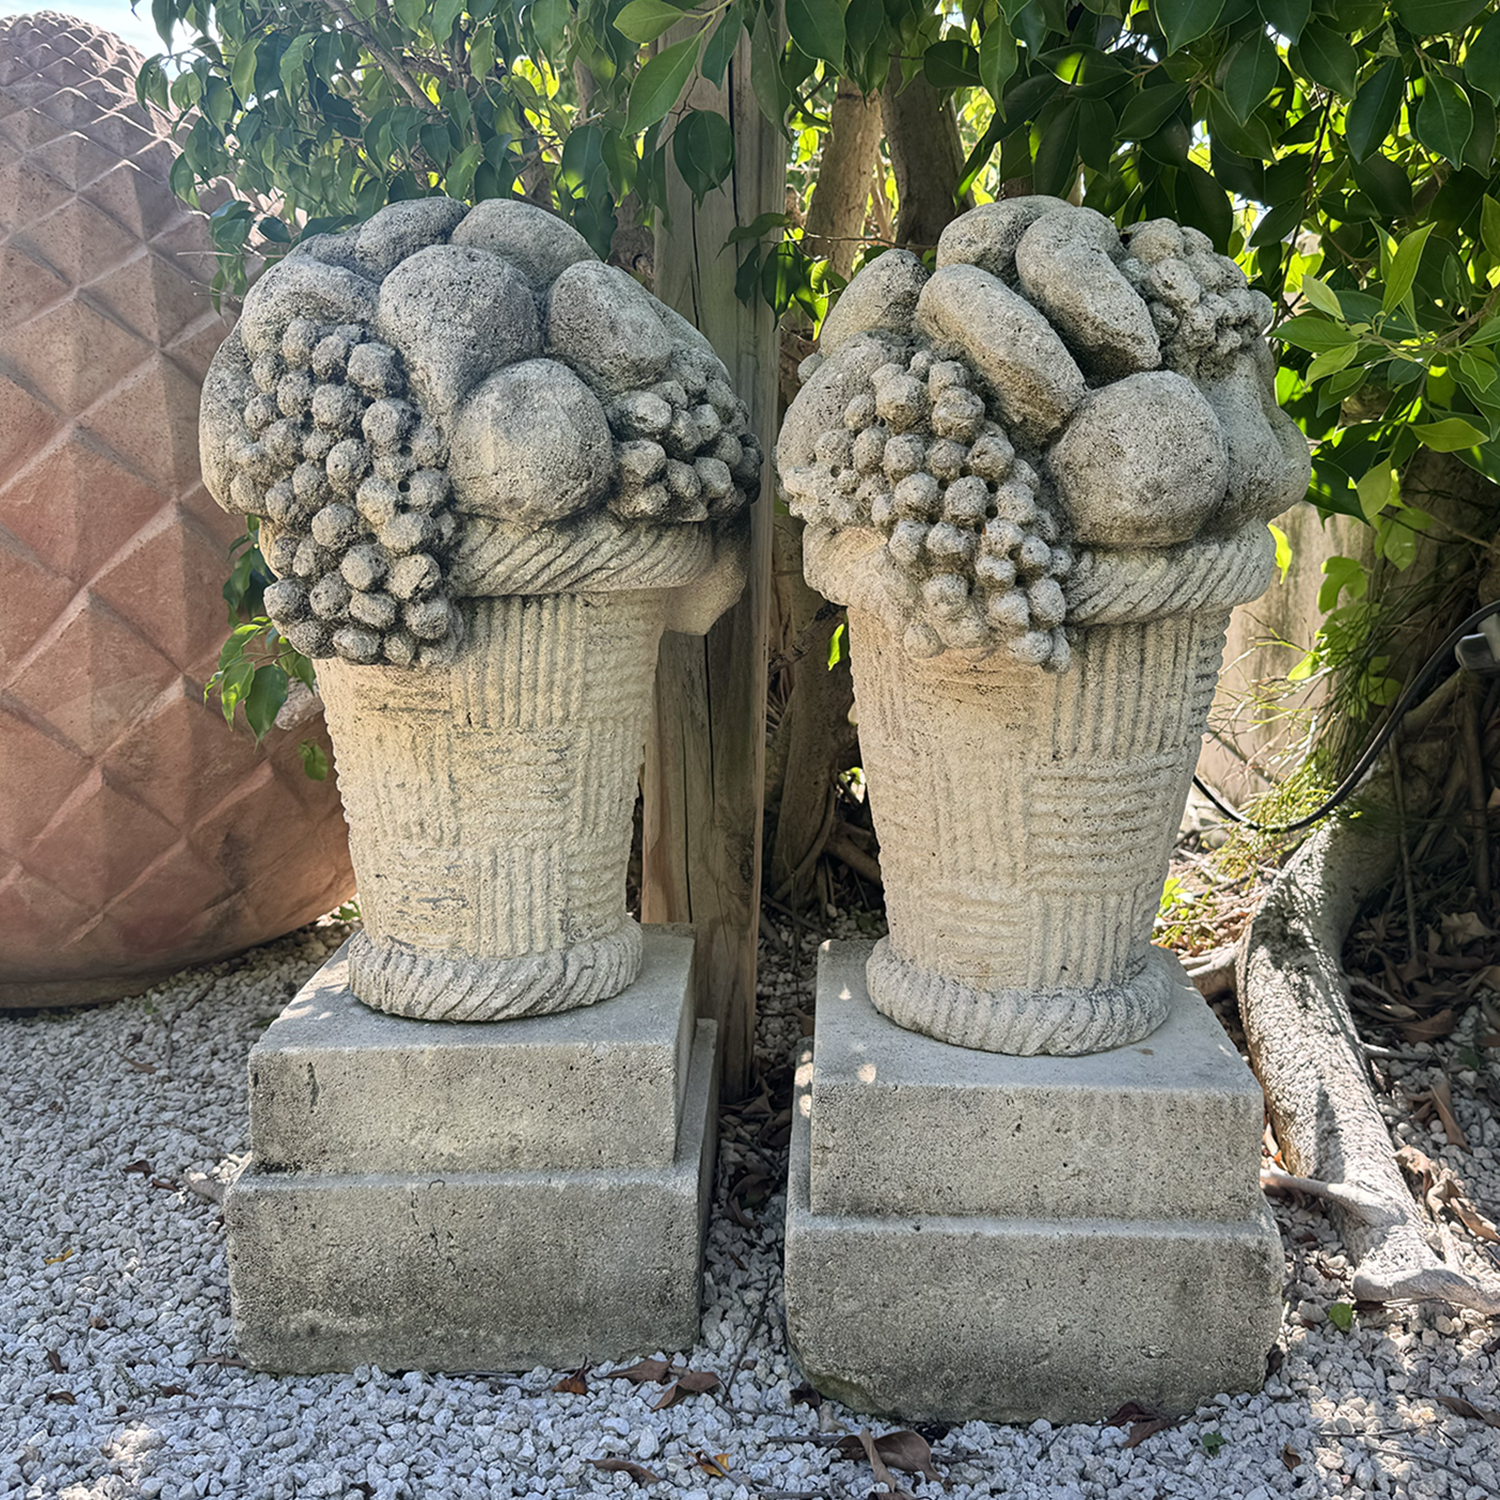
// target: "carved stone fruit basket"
[[492, 470], [1039, 478]]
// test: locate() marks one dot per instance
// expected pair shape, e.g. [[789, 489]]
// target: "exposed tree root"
[[1294, 1002]]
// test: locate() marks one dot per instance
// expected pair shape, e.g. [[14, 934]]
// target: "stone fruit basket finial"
[[1057, 454], [491, 471]]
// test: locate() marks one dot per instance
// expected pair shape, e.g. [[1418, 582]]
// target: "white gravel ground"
[[117, 1372]]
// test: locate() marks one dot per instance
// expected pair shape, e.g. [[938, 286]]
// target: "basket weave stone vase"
[[489, 807], [1025, 826]]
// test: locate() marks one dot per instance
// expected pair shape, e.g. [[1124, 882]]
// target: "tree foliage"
[[1342, 150]]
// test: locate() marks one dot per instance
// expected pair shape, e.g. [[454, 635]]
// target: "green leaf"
[[1185, 21], [1372, 116], [703, 148], [1339, 574], [1444, 118], [293, 65], [1482, 61], [162, 17], [314, 761], [1341, 1315], [659, 84], [645, 20], [1449, 435], [1385, 184], [721, 46], [1149, 110], [445, 16], [264, 699], [482, 52], [817, 27], [771, 92], [1314, 333], [758, 227], [836, 647], [1057, 153], [1327, 58], [242, 72], [1489, 225], [1331, 362], [1205, 205], [950, 64], [549, 19], [1403, 269], [1286, 17], [1321, 296], [1437, 17], [998, 58], [1251, 75], [1283, 549], [1377, 489]]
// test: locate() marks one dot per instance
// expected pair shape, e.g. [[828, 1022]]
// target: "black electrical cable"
[[1346, 787]]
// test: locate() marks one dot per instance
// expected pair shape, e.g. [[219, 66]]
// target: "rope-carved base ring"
[[1023, 1023], [393, 977]]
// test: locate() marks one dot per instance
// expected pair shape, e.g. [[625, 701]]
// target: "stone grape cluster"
[[1204, 312], [352, 479], [683, 448], [973, 545]]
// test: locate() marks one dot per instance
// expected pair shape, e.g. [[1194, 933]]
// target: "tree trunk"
[[928, 158], [840, 200], [1294, 1002], [815, 738]]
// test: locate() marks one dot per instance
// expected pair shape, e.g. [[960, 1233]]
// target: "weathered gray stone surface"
[[1067, 465], [337, 1087], [1025, 366], [968, 1295], [1037, 1137], [491, 471], [885, 297], [1142, 464], [451, 1254]]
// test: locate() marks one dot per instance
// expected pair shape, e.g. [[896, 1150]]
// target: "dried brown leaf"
[[1472, 1220], [668, 1397], [1140, 1431], [902, 1449], [1459, 1407], [1132, 1411], [716, 1464], [1465, 927], [638, 1472], [698, 1382], [573, 1383], [142, 1166], [1290, 1458], [171, 1390], [55, 1362], [643, 1372], [805, 1395], [1442, 1099], [1432, 1028], [63, 1398], [140, 1067]]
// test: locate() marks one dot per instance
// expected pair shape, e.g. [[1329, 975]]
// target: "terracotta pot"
[[137, 834], [490, 807]]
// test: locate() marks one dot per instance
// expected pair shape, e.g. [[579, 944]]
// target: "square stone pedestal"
[[424, 1195], [971, 1235]]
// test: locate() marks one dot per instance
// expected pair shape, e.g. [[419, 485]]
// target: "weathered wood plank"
[[705, 762]]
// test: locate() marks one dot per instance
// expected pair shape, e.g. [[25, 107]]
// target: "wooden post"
[[705, 761]]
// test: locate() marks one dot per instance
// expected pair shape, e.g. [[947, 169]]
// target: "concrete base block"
[[977, 1236], [459, 1233]]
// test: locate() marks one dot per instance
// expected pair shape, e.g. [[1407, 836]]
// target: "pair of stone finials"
[[1050, 460]]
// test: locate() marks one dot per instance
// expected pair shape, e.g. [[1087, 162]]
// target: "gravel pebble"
[[123, 1123]]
